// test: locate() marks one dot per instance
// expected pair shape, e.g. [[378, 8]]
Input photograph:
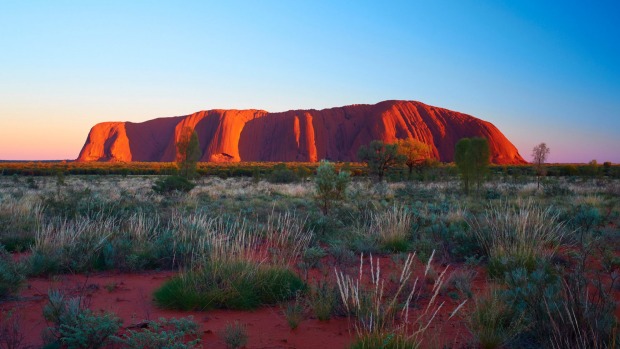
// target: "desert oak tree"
[[380, 157], [416, 153], [188, 152], [472, 157]]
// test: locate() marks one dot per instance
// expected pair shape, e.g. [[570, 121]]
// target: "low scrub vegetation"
[[75, 326], [239, 268], [512, 266], [229, 285], [172, 333], [11, 274], [518, 234], [235, 335], [384, 317]]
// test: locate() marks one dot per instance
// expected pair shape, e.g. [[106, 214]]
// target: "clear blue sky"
[[539, 70]]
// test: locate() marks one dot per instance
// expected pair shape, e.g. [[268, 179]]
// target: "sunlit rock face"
[[295, 135]]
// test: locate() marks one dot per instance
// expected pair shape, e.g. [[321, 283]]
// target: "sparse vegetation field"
[[273, 255]]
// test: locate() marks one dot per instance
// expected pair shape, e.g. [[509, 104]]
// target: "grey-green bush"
[[330, 186], [166, 333]]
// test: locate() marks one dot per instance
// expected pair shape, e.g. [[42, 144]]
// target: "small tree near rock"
[[472, 157], [380, 157], [416, 153], [330, 186], [188, 153], [539, 156]]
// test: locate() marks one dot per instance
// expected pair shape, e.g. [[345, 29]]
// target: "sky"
[[541, 71]]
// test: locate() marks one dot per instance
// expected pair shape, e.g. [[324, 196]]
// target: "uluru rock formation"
[[295, 135]]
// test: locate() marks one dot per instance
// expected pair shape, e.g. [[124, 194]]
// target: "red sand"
[[129, 296]]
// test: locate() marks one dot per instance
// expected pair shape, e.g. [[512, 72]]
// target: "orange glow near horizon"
[[61, 138]]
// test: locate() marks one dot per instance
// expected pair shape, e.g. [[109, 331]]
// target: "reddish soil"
[[129, 296]]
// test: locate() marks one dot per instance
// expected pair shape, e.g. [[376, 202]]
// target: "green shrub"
[[380, 157], [235, 335], [459, 241], [391, 228], [471, 156], [555, 189], [424, 247], [229, 285], [170, 184], [173, 333], [282, 174], [76, 327], [563, 309], [66, 205], [583, 218], [395, 246], [275, 284], [326, 227], [517, 236], [342, 254], [492, 194], [19, 219], [11, 274], [497, 266], [72, 245], [294, 312], [493, 322], [17, 243], [312, 256], [31, 183], [89, 330], [416, 191], [44, 264], [531, 295], [330, 186], [323, 301], [460, 281]]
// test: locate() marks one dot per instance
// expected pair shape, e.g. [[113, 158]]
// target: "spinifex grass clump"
[[383, 317], [516, 236], [239, 268], [235, 335], [392, 228], [388, 229], [294, 312], [101, 242], [19, 218], [71, 245], [230, 285], [494, 322], [322, 299]]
